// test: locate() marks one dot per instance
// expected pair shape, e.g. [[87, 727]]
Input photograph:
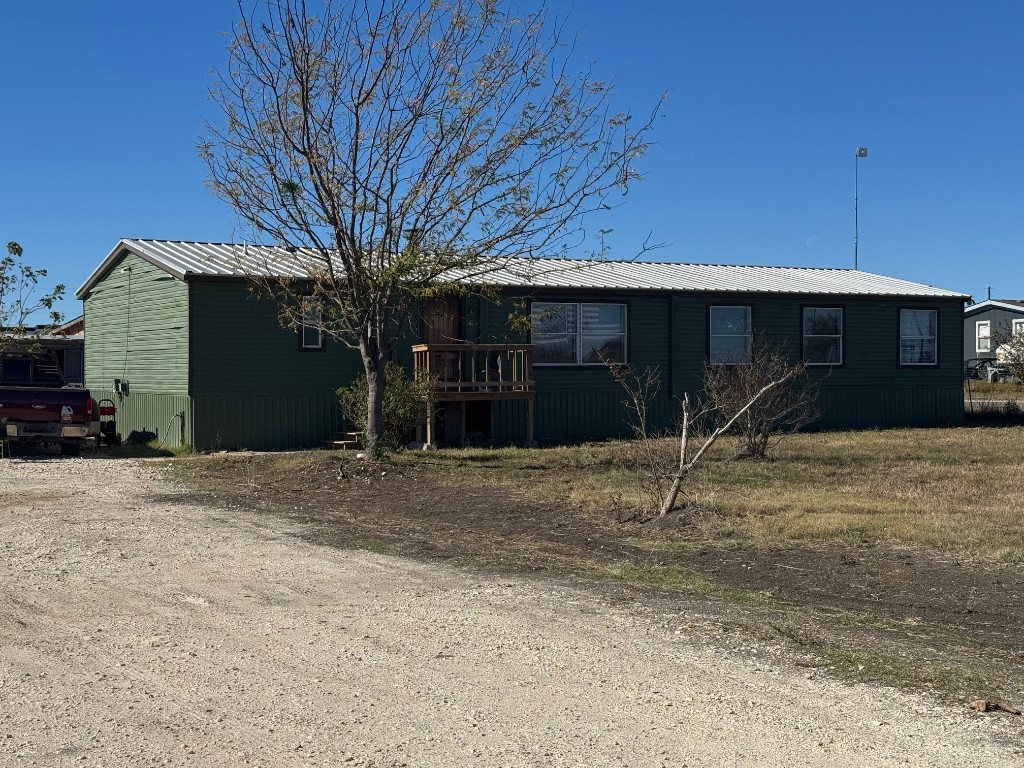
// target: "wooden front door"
[[442, 324]]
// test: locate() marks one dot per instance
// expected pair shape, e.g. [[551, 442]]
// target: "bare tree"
[[687, 461], [398, 142], [789, 405], [19, 300], [661, 484]]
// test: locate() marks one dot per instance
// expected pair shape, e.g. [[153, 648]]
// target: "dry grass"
[[954, 490], [1000, 390], [957, 490]]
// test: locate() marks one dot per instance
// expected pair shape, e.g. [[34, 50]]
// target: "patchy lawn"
[[891, 556]]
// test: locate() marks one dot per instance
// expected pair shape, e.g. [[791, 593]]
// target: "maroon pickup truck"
[[36, 407]]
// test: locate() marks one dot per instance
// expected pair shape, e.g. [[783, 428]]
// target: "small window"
[[1018, 328], [983, 336], [578, 334], [729, 335], [823, 335], [311, 335], [918, 336]]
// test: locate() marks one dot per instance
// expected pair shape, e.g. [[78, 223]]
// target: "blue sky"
[[753, 161]]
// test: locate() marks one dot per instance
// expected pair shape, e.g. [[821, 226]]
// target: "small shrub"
[[787, 408], [137, 437], [405, 405]]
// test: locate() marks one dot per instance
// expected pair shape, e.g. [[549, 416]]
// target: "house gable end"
[[113, 259]]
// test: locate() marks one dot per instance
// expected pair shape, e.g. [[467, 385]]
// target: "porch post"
[[430, 424]]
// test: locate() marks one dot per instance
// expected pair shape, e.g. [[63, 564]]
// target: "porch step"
[[344, 445], [350, 441]]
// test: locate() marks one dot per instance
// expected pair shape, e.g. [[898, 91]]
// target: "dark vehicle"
[[987, 369], [975, 367], [36, 407]]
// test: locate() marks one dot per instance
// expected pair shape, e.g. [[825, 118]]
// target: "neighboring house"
[[66, 342], [987, 321], [177, 338]]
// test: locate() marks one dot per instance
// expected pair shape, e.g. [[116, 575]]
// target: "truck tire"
[[70, 449]]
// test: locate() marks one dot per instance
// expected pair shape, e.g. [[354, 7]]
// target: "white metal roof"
[[1012, 305], [696, 278], [182, 259]]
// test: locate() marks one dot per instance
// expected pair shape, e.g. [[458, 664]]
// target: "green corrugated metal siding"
[[863, 407], [593, 415], [137, 324], [252, 385], [239, 349], [508, 420], [265, 422], [145, 413]]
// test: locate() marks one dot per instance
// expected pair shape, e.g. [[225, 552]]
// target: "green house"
[[177, 340]]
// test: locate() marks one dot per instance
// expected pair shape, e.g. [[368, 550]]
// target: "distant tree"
[[1009, 349], [397, 142], [19, 301], [790, 404]]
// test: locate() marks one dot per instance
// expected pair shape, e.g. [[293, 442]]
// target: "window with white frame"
[[1018, 328], [919, 336], [730, 335], [578, 334], [983, 336], [311, 335], [823, 335]]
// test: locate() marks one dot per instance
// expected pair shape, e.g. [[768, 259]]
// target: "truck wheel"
[[70, 449]]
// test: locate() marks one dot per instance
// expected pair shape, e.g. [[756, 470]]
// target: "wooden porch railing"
[[464, 372], [476, 371]]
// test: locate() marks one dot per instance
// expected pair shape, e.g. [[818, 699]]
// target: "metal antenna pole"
[[861, 152], [856, 186]]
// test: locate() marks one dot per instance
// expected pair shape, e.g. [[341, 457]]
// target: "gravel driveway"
[[138, 628]]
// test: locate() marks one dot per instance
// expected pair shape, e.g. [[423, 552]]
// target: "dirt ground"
[[956, 624], [144, 624]]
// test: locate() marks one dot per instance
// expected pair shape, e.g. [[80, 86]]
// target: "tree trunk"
[[374, 366], [684, 465]]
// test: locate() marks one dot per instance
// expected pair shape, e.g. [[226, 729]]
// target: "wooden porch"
[[464, 373]]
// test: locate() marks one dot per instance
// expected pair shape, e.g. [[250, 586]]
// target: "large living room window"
[[823, 335], [578, 334], [919, 329], [729, 335]]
